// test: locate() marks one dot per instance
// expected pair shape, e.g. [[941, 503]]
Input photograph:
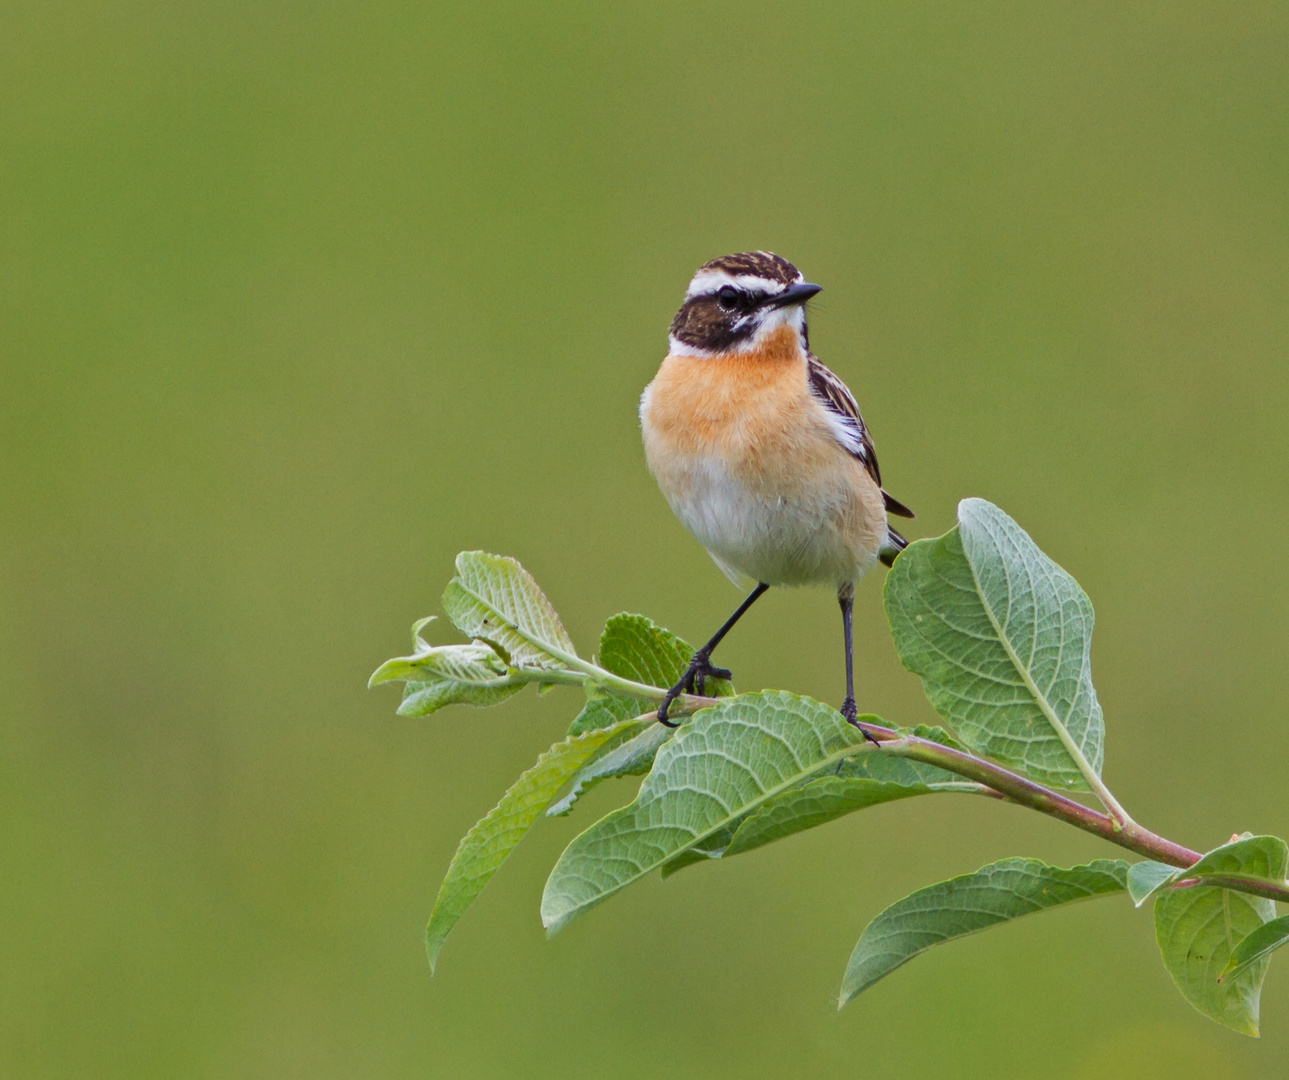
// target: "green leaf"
[[485, 847], [816, 803], [964, 905], [634, 647], [860, 782], [603, 709], [713, 847], [630, 754], [494, 598], [1001, 638], [728, 760], [1262, 942], [1260, 854], [1146, 878], [1255, 858], [450, 674], [1199, 928]]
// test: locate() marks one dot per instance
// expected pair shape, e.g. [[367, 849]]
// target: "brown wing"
[[848, 425]]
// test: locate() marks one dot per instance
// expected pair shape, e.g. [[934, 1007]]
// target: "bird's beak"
[[794, 294]]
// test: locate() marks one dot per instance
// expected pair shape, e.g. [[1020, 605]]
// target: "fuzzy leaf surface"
[[726, 761], [951, 909], [441, 675], [485, 847], [1262, 942], [1001, 638], [1199, 927], [493, 598]]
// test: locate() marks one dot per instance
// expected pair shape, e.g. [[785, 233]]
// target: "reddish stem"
[[1027, 793]]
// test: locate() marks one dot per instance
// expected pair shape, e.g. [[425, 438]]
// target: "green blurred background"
[[296, 303]]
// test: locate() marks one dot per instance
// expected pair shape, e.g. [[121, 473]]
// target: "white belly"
[[804, 534]]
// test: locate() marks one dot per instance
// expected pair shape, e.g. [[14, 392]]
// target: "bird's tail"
[[895, 543]]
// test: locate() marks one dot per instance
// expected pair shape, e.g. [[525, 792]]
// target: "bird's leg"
[[846, 598], [700, 666]]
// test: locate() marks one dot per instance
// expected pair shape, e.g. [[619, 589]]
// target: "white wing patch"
[[847, 432], [842, 414]]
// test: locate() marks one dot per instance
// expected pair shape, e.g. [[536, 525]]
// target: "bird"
[[761, 451]]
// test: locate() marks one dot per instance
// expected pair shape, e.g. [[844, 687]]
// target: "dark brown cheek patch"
[[702, 324]]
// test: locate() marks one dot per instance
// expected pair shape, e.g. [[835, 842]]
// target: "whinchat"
[[760, 450]]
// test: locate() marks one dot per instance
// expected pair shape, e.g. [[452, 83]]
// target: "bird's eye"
[[728, 298]]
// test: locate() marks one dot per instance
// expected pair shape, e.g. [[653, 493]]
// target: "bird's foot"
[[692, 682], [849, 711]]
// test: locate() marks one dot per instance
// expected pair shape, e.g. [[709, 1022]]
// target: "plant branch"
[[1003, 783], [1026, 792], [584, 670], [1257, 886], [1035, 796]]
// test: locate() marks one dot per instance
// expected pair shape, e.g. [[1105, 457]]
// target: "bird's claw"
[[694, 681], [699, 681], [849, 711]]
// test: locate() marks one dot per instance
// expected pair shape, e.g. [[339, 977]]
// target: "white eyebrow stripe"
[[710, 281]]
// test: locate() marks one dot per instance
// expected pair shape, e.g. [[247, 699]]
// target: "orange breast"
[[754, 410]]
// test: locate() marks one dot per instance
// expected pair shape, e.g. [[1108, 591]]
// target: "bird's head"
[[736, 302]]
